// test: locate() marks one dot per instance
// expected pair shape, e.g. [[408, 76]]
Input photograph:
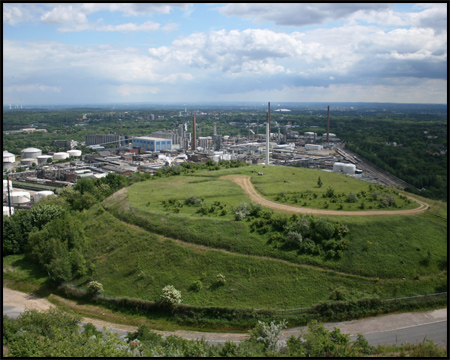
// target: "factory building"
[[151, 143], [313, 147]]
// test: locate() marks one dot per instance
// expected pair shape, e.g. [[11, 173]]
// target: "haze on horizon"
[[195, 52]]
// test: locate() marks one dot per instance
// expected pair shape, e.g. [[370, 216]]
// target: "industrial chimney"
[[267, 135], [328, 126], [194, 139]]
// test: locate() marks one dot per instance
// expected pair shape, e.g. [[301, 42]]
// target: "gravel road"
[[244, 182], [375, 325]]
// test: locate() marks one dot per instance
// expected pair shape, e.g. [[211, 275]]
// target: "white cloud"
[[14, 14], [147, 26], [63, 14]]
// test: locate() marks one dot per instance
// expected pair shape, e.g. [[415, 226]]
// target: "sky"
[[91, 53]]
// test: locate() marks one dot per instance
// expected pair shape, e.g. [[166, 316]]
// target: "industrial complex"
[[40, 174]]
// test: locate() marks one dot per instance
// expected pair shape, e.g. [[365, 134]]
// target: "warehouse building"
[[151, 143]]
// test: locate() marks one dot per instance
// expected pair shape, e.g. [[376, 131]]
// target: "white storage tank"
[[349, 169], [42, 159], [41, 194], [30, 153], [74, 152], [8, 157], [338, 167], [60, 155], [5, 186], [6, 210], [27, 161], [20, 197]]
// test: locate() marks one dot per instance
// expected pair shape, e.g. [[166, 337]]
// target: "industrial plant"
[[148, 153]]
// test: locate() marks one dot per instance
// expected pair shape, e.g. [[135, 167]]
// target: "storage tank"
[[41, 194], [60, 155], [349, 169], [74, 152], [6, 210], [5, 186], [42, 159], [20, 197], [8, 157], [338, 167], [30, 153], [27, 161]]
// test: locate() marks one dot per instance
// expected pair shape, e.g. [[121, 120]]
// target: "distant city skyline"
[[196, 52]]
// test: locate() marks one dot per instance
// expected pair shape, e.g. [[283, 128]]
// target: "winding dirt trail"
[[244, 182]]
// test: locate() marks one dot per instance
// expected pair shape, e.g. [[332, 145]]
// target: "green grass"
[[139, 245], [145, 263], [380, 246]]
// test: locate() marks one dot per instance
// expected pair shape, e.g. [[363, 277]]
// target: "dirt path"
[[244, 182]]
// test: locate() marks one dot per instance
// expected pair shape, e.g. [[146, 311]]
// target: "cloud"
[[63, 14], [301, 14], [32, 88], [14, 14], [147, 26]]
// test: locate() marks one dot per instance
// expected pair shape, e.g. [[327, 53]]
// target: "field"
[[149, 237]]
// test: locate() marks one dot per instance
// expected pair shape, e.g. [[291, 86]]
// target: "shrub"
[[294, 238], [94, 288], [192, 200], [170, 295], [220, 280], [352, 197]]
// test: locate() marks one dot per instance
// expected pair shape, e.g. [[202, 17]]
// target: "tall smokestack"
[[328, 126], [267, 135], [194, 140]]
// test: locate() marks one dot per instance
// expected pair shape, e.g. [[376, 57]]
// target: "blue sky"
[[78, 53]]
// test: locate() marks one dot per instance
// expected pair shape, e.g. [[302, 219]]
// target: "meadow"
[[148, 237]]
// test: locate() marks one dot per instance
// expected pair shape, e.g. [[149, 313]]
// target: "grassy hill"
[[146, 236]]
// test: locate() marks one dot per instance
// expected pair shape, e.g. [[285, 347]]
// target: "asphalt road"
[[389, 330]]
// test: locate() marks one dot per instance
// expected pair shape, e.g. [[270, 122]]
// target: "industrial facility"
[[126, 154]]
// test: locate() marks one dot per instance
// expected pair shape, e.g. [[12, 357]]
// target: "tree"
[[268, 334], [319, 182]]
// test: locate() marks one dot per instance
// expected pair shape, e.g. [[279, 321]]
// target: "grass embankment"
[[137, 258], [385, 247]]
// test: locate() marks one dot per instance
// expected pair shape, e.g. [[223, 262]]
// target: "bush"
[[352, 197], [94, 288], [170, 296]]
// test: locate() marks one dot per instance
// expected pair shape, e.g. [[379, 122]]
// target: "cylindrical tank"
[[8, 157], [60, 155], [20, 197], [42, 159], [30, 153], [6, 210], [40, 194], [27, 161], [74, 152], [5, 185], [349, 169], [338, 166]]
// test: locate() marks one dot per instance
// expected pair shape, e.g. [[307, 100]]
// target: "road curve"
[[383, 329], [244, 182]]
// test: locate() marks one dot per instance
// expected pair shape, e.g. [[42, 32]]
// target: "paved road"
[[389, 329]]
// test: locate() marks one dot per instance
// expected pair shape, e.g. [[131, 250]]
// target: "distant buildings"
[[151, 143]]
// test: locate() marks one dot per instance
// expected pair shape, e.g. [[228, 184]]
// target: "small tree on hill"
[[319, 182]]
